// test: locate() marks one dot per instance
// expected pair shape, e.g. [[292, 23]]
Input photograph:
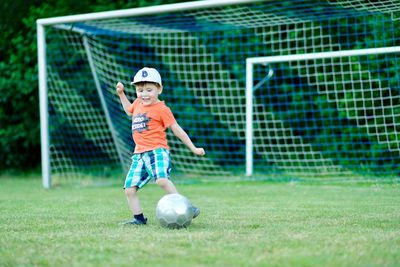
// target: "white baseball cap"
[[147, 75]]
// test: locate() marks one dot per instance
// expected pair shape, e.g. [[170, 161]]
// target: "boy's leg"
[[167, 185], [133, 200], [136, 178], [134, 205]]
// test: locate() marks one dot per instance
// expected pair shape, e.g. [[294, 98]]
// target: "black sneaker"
[[136, 222], [196, 212]]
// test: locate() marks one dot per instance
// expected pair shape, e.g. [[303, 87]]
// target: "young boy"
[[151, 159]]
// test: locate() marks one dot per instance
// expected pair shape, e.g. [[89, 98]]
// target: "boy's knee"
[[131, 191], [162, 182], [167, 185]]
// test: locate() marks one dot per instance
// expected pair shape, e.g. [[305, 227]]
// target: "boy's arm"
[[182, 135], [124, 100]]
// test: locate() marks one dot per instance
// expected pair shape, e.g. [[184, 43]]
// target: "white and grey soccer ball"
[[174, 211]]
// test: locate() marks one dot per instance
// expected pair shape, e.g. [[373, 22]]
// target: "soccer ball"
[[174, 211]]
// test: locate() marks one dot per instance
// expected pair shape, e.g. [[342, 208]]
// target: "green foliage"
[[18, 96]]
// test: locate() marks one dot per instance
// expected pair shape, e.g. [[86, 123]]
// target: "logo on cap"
[[144, 74]]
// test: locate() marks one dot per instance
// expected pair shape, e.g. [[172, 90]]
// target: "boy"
[[151, 159]]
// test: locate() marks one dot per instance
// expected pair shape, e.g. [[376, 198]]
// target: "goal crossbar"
[[140, 11]]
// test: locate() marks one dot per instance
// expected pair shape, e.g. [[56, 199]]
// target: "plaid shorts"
[[147, 165]]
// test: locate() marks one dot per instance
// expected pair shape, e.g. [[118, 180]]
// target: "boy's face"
[[148, 93]]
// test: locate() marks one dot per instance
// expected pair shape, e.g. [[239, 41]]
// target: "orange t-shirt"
[[149, 124]]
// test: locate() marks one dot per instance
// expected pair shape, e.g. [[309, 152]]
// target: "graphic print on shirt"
[[140, 123]]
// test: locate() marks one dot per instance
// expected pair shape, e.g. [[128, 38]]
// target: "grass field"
[[241, 224]]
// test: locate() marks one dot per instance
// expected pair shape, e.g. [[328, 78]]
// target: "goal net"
[[316, 116]]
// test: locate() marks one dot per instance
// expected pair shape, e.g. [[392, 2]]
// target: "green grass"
[[241, 224]]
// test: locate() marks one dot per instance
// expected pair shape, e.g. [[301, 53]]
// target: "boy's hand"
[[199, 151], [120, 87]]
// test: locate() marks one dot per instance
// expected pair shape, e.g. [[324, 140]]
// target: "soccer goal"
[[292, 88], [339, 102]]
